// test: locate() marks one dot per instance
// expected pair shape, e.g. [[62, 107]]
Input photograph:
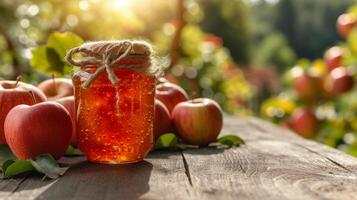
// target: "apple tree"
[[326, 90]]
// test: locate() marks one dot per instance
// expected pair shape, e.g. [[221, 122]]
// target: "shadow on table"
[[96, 181], [209, 150], [163, 154]]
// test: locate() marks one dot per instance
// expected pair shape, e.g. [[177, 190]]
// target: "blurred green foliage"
[[275, 51], [40, 32], [231, 21], [49, 58], [219, 39], [303, 28], [308, 25], [337, 113]]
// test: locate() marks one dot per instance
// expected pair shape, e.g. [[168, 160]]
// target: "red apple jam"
[[115, 121]]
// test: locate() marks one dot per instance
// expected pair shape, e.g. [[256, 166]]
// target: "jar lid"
[[108, 54], [117, 47]]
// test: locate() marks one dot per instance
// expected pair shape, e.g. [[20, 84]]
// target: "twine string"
[[104, 59]]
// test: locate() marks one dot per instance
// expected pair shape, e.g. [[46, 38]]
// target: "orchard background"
[[248, 55]]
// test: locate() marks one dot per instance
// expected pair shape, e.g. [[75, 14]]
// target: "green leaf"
[[5, 154], [165, 141], [6, 164], [231, 140], [62, 42], [17, 167], [49, 58], [39, 60], [47, 165], [70, 150], [54, 60]]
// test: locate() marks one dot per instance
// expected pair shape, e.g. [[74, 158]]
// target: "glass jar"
[[115, 121]]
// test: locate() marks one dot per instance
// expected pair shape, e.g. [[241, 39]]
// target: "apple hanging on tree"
[[304, 122], [345, 23], [13, 93], [333, 57], [339, 81], [309, 87]]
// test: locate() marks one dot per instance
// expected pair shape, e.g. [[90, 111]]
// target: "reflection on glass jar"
[[115, 121]]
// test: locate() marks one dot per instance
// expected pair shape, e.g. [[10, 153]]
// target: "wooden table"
[[274, 164]]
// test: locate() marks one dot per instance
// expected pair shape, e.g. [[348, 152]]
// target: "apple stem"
[[54, 82], [18, 79], [194, 101], [33, 97], [193, 96]]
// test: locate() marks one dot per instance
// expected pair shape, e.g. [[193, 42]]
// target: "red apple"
[[214, 39], [162, 122], [333, 57], [308, 87], [170, 94], [304, 122], [42, 128], [339, 81], [57, 88], [198, 121], [345, 24], [13, 93], [68, 103]]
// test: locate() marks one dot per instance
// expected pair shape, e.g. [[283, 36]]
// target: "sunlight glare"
[[120, 4], [83, 5]]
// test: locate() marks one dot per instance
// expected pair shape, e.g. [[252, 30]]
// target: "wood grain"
[[160, 172], [274, 164]]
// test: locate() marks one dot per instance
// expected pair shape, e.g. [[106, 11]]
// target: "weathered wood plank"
[[7, 187], [31, 186], [162, 176], [274, 164]]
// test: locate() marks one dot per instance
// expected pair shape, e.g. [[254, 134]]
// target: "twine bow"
[[107, 56]]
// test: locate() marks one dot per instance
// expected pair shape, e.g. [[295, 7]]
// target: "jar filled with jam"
[[114, 99]]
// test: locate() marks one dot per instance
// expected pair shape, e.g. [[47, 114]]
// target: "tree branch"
[[177, 37]]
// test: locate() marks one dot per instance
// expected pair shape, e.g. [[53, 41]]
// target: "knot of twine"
[[107, 56]]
